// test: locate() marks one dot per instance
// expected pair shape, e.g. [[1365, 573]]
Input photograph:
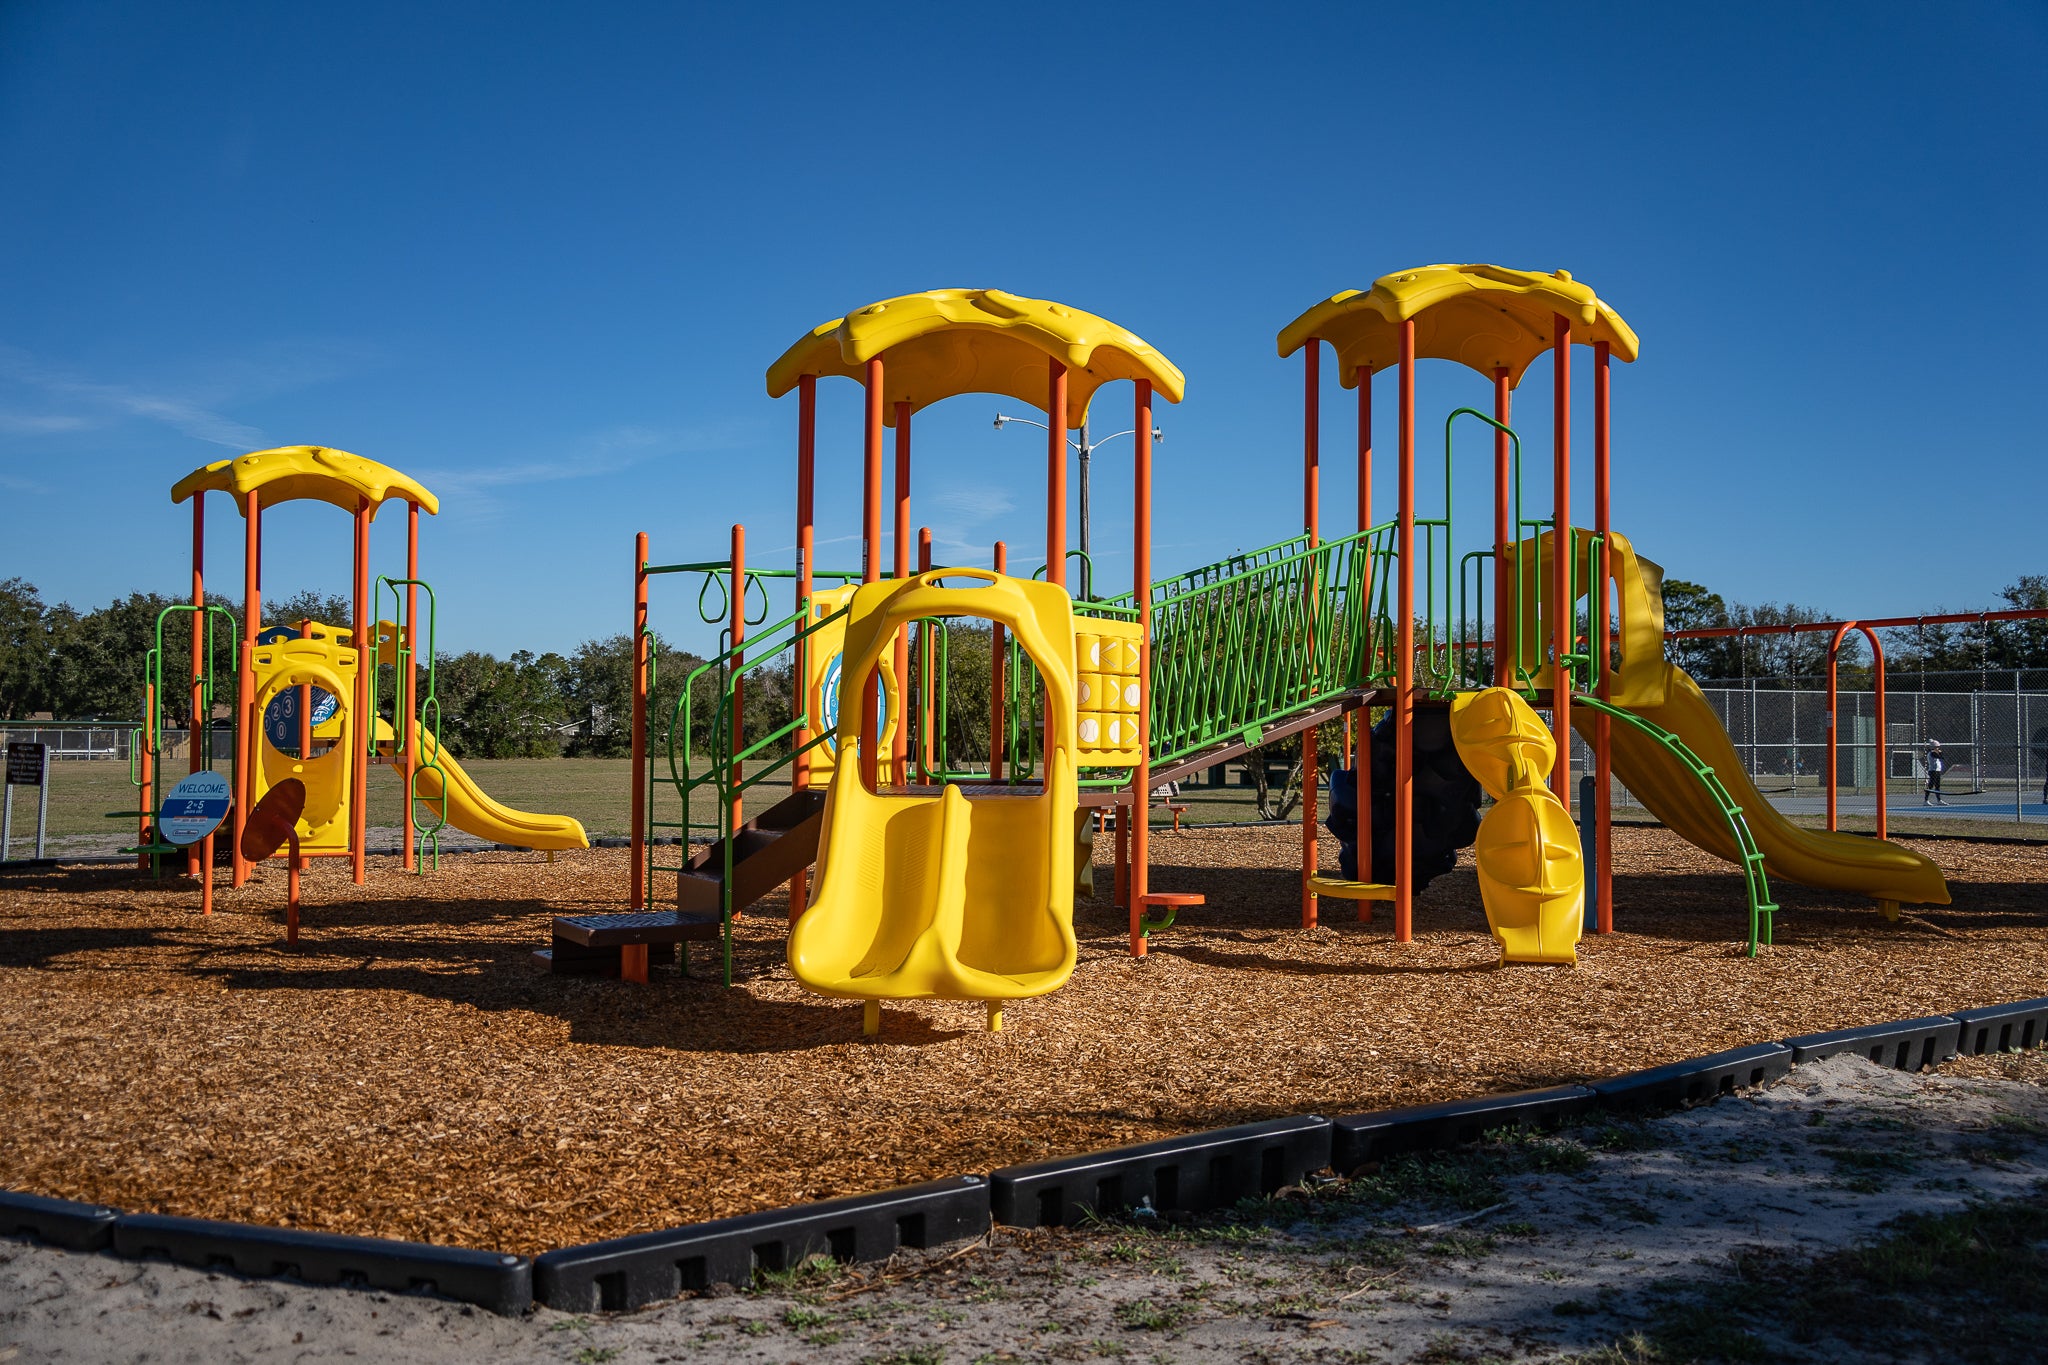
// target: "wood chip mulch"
[[408, 1072]]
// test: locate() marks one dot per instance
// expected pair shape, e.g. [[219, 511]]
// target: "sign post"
[[28, 765]]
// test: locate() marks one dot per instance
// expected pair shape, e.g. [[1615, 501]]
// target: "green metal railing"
[[1756, 883], [427, 835], [148, 737]]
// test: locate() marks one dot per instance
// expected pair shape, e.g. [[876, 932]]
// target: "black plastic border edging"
[[1200, 1171], [630, 1272], [2000, 1028], [1359, 1138], [60, 1222], [494, 1280], [1701, 1078], [1904, 1044]]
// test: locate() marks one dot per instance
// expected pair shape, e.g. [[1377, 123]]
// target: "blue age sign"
[[281, 717], [193, 809], [829, 703]]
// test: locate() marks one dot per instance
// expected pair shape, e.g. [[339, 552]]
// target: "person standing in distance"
[[1934, 766]]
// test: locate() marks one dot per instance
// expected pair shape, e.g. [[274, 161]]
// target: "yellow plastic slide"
[[1812, 857], [1664, 694], [923, 896], [1532, 878], [472, 811]]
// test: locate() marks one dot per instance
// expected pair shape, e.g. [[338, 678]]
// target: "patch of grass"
[[812, 1272], [1573, 1308], [825, 1336], [1518, 1228], [1470, 1246], [595, 1355], [798, 1316], [1963, 1286], [1621, 1135], [1146, 1316], [757, 1328], [916, 1355]]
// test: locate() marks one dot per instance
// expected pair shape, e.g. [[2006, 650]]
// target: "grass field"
[[598, 792]]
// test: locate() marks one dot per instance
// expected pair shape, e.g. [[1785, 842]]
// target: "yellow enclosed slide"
[[944, 895]]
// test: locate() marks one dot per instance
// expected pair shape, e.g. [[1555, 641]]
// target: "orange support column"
[[248, 731], [871, 559], [998, 679], [1562, 553], [900, 748], [1311, 516], [406, 730], [1056, 474], [363, 727], [738, 628], [1404, 655], [927, 676], [637, 897], [1603, 758], [806, 475], [200, 859], [1360, 757], [1883, 744], [1139, 881]]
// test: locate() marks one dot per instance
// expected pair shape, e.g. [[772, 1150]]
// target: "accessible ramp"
[[924, 894], [471, 809]]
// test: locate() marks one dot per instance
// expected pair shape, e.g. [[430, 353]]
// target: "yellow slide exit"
[[947, 896]]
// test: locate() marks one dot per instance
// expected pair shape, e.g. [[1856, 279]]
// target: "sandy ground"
[[408, 1072], [1579, 1246]]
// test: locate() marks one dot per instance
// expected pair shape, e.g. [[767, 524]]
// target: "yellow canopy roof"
[[1483, 316], [951, 341], [290, 472]]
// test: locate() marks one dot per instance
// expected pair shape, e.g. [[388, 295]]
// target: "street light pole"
[[1086, 450]]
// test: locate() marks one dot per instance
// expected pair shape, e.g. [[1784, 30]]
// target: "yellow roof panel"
[[290, 472], [1485, 317], [945, 342]]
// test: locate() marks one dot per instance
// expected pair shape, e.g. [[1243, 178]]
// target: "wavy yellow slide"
[[1665, 695], [471, 809], [1812, 857]]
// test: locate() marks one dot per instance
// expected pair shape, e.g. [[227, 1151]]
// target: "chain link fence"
[[1992, 727]]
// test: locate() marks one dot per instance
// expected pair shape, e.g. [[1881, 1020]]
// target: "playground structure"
[[307, 713], [1230, 656]]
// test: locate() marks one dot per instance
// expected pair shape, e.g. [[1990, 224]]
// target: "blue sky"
[[540, 256]]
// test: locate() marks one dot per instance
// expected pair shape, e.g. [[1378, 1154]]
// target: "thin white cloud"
[[972, 506], [611, 451], [193, 408]]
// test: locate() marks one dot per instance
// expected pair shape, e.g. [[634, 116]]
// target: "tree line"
[[88, 665], [73, 665]]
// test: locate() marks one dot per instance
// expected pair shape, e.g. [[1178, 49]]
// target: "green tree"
[[24, 648]]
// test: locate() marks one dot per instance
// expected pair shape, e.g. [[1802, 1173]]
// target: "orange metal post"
[[362, 725], [248, 732], [1603, 775], [1561, 554], [146, 829], [900, 749], [305, 753], [637, 897], [1141, 586], [1311, 517], [998, 680], [1883, 735], [1056, 474], [739, 668], [200, 862], [871, 559], [806, 473], [1360, 757], [927, 677], [406, 731], [1503, 537], [1404, 656]]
